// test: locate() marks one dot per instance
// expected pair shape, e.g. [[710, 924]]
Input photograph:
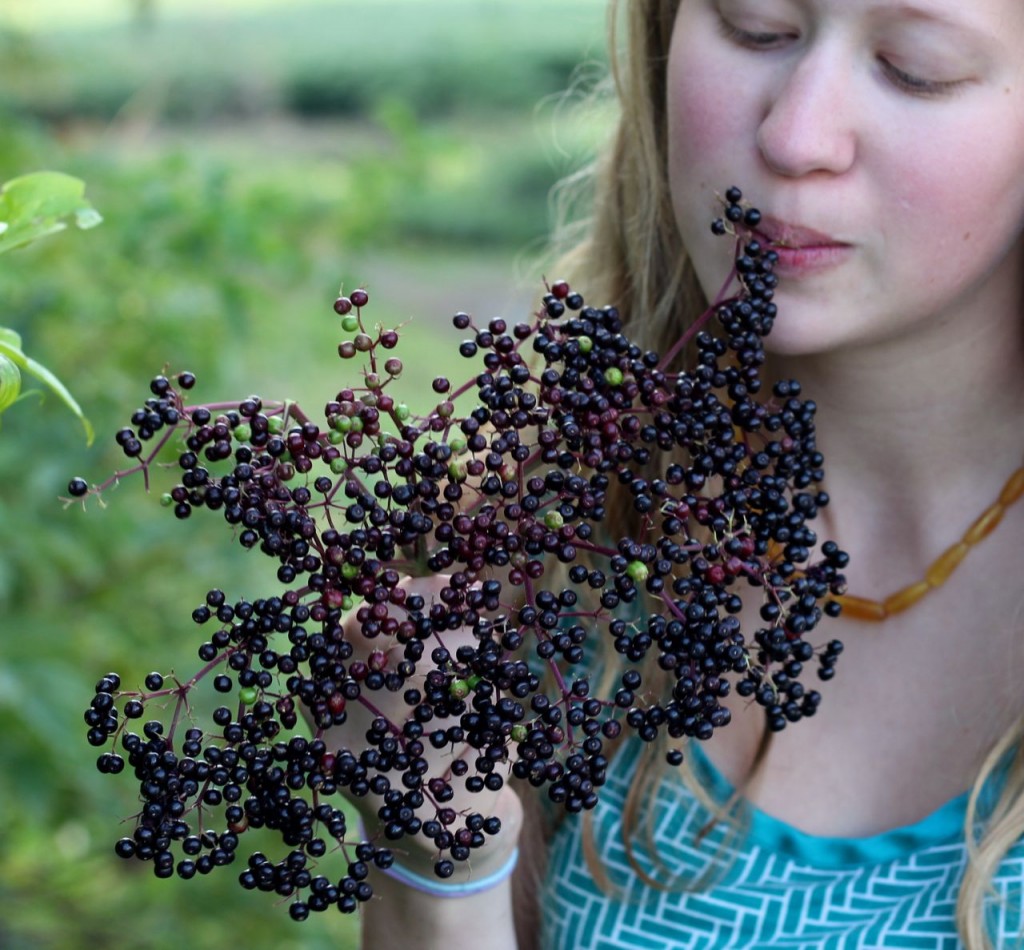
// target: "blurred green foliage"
[[32, 207], [442, 58], [222, 248]]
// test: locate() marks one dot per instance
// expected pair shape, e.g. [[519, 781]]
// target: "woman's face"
[[884, 143]]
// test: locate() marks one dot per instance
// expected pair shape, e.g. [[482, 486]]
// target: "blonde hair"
[[628, 251]]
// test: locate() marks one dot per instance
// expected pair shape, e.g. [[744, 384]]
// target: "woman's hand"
[[422, 815]]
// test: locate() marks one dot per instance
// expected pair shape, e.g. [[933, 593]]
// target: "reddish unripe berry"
[[560, 289], [358, 671], [333, 598]]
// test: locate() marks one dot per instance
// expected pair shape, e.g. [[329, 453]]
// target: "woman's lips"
[[801, 249], [784, 234]]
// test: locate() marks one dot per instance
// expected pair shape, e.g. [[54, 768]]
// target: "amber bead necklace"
[[861, 608]]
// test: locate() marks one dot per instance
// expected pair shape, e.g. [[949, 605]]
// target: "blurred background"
[[248, 157]]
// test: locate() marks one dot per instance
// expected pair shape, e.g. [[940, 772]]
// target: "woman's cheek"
[[704, 119], [939, 202]]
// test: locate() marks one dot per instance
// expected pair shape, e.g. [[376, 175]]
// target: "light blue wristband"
[[436, 887]]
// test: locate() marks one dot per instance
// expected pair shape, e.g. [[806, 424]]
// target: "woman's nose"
[[807, 126]]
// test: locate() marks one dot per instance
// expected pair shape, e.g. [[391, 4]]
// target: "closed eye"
[[917, 86], [748, 39]]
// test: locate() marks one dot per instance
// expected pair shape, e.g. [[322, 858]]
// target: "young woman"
[[884, 143]]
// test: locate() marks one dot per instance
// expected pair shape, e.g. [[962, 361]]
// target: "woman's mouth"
[[801, 250]]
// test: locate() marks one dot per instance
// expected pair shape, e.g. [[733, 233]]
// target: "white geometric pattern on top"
[[778, 887]]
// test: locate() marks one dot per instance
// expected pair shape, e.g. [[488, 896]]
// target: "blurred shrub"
[[469, 82]]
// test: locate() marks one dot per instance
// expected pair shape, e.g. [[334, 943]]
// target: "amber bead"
[[860, 608], [902, 599], [946, 563], [1013, 489], [985, 524]]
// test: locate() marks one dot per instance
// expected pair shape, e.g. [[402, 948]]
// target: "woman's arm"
[[401, 917]]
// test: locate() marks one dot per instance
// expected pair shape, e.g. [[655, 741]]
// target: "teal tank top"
[[775, 887]]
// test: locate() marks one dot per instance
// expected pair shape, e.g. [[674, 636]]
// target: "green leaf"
[[30, 366], [35, 205], [87, 217]]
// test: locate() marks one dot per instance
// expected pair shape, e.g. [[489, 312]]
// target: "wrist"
[[464, 881], [485, 871]]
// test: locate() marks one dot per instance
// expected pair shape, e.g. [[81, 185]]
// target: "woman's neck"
[[918, 437]]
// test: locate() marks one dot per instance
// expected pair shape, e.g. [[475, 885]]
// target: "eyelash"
[[743, 38], [926, 88], [923, 88]]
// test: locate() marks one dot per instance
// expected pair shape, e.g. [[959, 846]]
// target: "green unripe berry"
[[457, 444], [586, 344], [401, 411], [637, 571], [166, 500], [248, 695], [553, 520], [613, 376], [349, 571], [461, 688], [519, 732], [275, 425], [242, 432], [350, 324], [457, 471]]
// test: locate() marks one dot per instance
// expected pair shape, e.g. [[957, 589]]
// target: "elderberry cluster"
[[716, 586]]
